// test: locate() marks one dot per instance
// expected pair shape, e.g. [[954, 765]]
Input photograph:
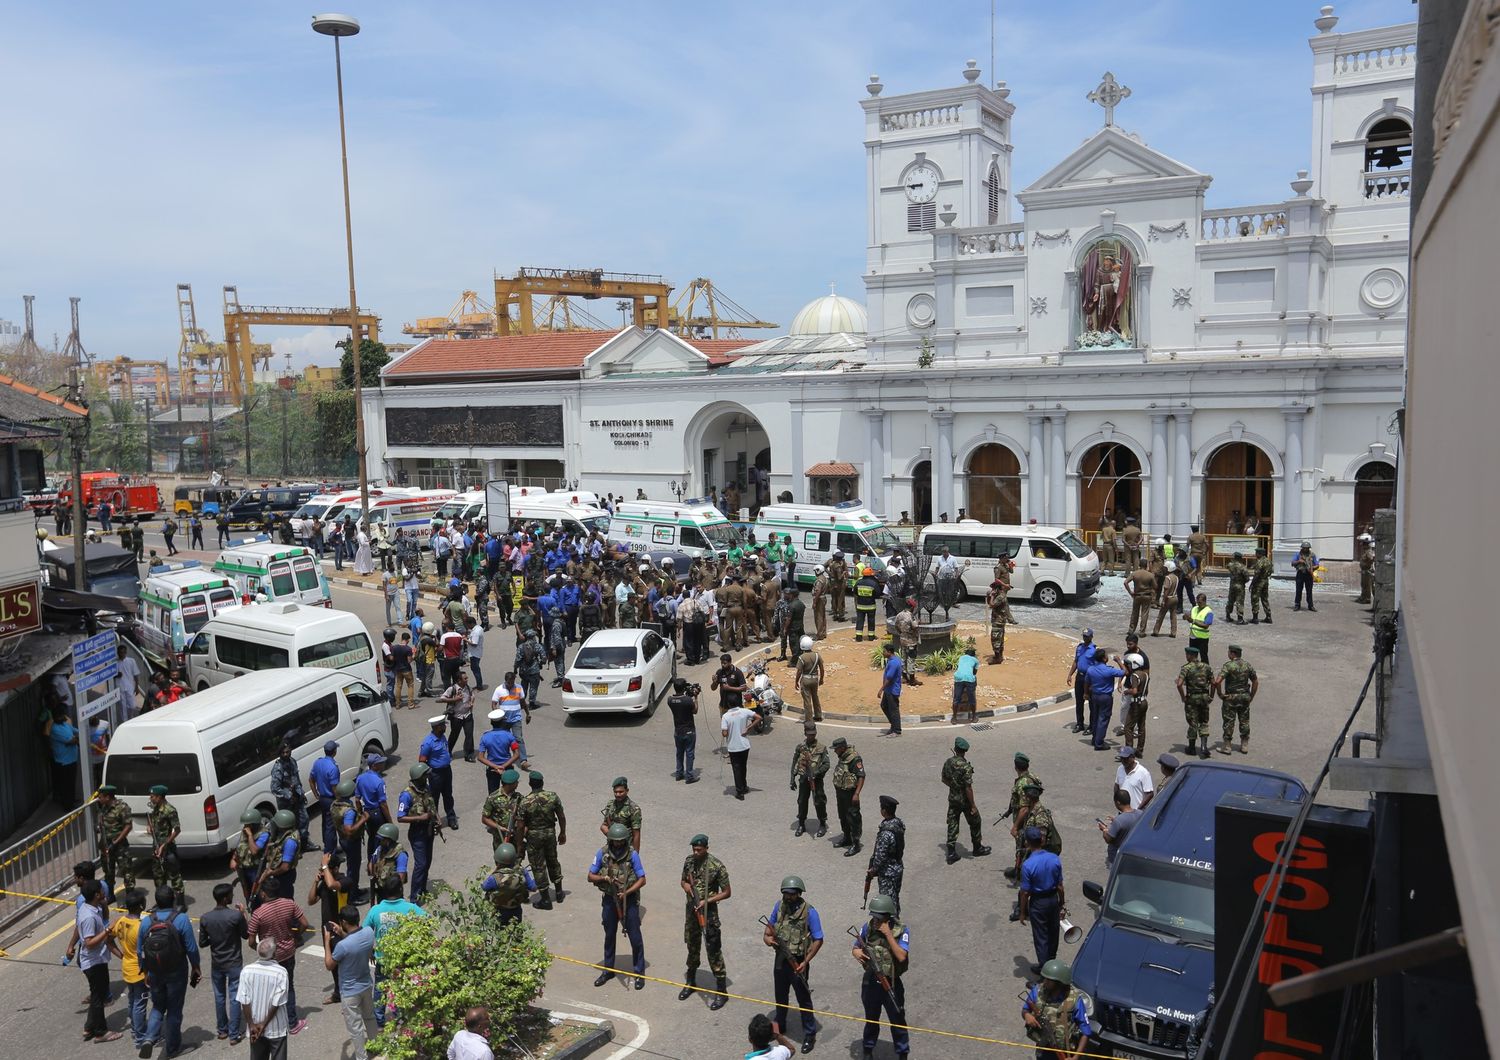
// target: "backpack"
[[511, 890], [163, 951]]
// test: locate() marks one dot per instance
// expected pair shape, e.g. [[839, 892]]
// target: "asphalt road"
[[968, 963]]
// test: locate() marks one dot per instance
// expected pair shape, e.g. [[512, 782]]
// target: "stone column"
[[942, 466], [874, 493], [1057, 470], [1288, 519], [797, 470], [1182, 474], [1156, 521], [1036, 459]]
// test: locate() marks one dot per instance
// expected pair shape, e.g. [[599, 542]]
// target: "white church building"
[[1097, 340]]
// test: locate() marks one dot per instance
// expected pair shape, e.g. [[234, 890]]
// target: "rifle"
[[1001, 818], [866, 897], [882, 979], [786, 955], [700, 910], [620, 902]]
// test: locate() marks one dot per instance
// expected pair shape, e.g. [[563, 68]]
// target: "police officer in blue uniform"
[[1042, 898], [439, 759]]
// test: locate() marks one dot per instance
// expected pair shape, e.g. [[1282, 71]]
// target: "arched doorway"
[[921, 493], [732, 454], [994, 485], [1238, 490], [1374, 488], [1109, 479]]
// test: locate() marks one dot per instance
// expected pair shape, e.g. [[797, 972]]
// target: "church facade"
[[1098, 341]]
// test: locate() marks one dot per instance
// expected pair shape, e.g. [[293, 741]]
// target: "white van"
[[268, 636], [413, 513], [259, 566], [176, 601], [214, 750], [1052, 564], [470, 506], [331, 507], [556, 511], [818, 530], [694, 527]]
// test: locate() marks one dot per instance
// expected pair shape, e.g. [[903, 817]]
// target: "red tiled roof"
[[40, 395], [832, 469], [546, 353]]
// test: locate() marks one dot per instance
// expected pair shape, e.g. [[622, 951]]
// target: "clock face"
[[921, 183]]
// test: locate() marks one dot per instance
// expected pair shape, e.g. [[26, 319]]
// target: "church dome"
[[830, 315]]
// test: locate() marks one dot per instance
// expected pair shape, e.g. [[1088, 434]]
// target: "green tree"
[[117, 435], [334, 431], [372, 358], [459, 956]]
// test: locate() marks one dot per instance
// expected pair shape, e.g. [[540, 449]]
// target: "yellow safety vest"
[[1201, 631], [1168, 549]]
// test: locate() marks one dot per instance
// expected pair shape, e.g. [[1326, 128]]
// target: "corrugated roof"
[[20, 403]]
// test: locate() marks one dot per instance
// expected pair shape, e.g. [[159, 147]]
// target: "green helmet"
[[793, 883], [881, 904], [388, 831], [345, 789], [420, 770], [250, 816], [285, 820], [618, 833], [505, 855], [1057, 971]]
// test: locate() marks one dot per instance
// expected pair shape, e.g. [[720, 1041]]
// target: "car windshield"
[[1075, 546], [310, 511], [611, 657], [1162, 897], [881, 539], [597, 522], [723, 535], [451, 510], [135, 774]]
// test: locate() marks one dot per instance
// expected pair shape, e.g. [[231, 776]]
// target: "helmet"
[[668, 566], [645, 567], [762, 682], [285, 820], [389, 634], [618, 833], [388, 831], [1056, 970], [807, 643], [1171, 564], [420, 770], [883, 905], [1134, 660], [429, 629], [250, 816], [793, 883], [41, 533], [505, 855], [345, 789], [818, 569], [867, 571]]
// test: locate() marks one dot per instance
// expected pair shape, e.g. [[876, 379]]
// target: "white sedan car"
[[619, 669]]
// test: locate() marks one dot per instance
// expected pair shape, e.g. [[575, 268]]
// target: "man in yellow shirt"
[[125, 931]]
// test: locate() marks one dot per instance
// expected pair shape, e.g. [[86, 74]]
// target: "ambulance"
[[413, 513], [818, 530], [693, 527], [331, 508], [567, 512], [260, 567], [176, 601]]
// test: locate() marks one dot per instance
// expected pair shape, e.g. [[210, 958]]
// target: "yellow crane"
[[125, 379], [201, 367], [644, 293], [470, 318], [701, 310], [243, 356]]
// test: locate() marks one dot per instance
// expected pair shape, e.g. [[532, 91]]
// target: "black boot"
[[854, 848], [822, 829], [559, 891], [952, 853], [689, 990], [722, 986], [603, 978], [980, 850], [801, 828], [1267, 619], [841, 841]]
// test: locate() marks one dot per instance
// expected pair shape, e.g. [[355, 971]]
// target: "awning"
[[54, 599], [833, 469]]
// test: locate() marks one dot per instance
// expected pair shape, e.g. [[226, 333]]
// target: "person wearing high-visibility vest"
[[866, 592], [1200, 626]]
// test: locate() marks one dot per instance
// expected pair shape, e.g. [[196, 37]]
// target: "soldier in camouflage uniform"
[[890, 847], [162, 823], [1260, 586], [1239, 574], [389, 863], [624, 810], [848, 781], [544, 828], [482, 597], [1195, 684], [245, 861], [509, 885], [995, 601], [810, 764], [113, 824], [1025, 778], [1236, 685], [1058, 1015], [1040, 818], [501, 809], [349, 820], [958, 775], [838, 585], [417, 808], [705, 881], [619, 875], [627, 614], [882, 947]]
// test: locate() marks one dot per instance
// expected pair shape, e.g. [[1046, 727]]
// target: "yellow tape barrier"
[[69, 819]]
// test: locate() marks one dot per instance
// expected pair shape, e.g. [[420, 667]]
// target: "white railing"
[[1244, 222], [923, 118], [993, 239], [1388, 184], [1388, 58]]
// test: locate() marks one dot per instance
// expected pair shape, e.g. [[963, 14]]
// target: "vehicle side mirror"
[[1093, 891]]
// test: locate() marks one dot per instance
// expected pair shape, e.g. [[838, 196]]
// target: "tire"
[[371, 748], [650, 702], [1048, 595], [202, 686], [267, 810]]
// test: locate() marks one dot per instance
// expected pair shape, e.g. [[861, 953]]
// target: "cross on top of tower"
[[1108, 95]]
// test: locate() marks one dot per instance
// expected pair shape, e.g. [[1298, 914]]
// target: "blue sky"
[[151, 144]]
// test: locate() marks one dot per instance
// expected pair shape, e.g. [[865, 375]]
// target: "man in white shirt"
[[734, 724], [130, 680], [473, 1042], [1134, 779], [262, 996]]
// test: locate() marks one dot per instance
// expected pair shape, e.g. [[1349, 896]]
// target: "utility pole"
[[286, 449], [247, 435], [208, 456]]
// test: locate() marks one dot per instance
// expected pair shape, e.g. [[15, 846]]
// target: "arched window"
[[993, 192], [1388, 159]]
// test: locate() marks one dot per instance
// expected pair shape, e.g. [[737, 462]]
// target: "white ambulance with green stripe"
[[176, 601], [819, 530], [693, 527], [286, 573]]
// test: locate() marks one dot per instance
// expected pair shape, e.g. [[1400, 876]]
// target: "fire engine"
[[127, 494]]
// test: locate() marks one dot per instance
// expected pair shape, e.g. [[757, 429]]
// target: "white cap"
[[818, 569], [807, 643], [1171, 564], [496, 715], [438, 719], [762, 682], [1134, 660]]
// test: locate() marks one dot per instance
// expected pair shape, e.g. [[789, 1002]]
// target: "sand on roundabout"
[[1035, 667]]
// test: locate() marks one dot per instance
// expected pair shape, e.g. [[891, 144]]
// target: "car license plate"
[[601, 690]]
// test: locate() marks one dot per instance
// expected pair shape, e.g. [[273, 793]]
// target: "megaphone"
[[1072, 934]]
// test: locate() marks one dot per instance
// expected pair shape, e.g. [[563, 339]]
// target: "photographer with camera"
[[684, 706]]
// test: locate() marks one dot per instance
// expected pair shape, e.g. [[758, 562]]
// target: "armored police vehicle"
[[1148, 961]]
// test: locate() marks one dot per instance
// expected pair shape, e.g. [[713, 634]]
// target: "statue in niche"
[[1107, 296]]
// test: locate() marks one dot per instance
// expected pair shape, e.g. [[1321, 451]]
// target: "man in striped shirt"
[[280, 921], [263, 999]]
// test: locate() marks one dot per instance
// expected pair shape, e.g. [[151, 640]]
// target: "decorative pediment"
[[634, 350], [1112, 157]]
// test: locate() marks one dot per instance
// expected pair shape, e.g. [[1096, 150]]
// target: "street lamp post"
[[337, 26]]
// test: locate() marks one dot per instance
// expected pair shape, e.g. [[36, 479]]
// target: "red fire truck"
[[127, 494]]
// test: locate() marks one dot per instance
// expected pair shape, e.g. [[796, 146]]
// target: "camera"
[[694, 689]]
